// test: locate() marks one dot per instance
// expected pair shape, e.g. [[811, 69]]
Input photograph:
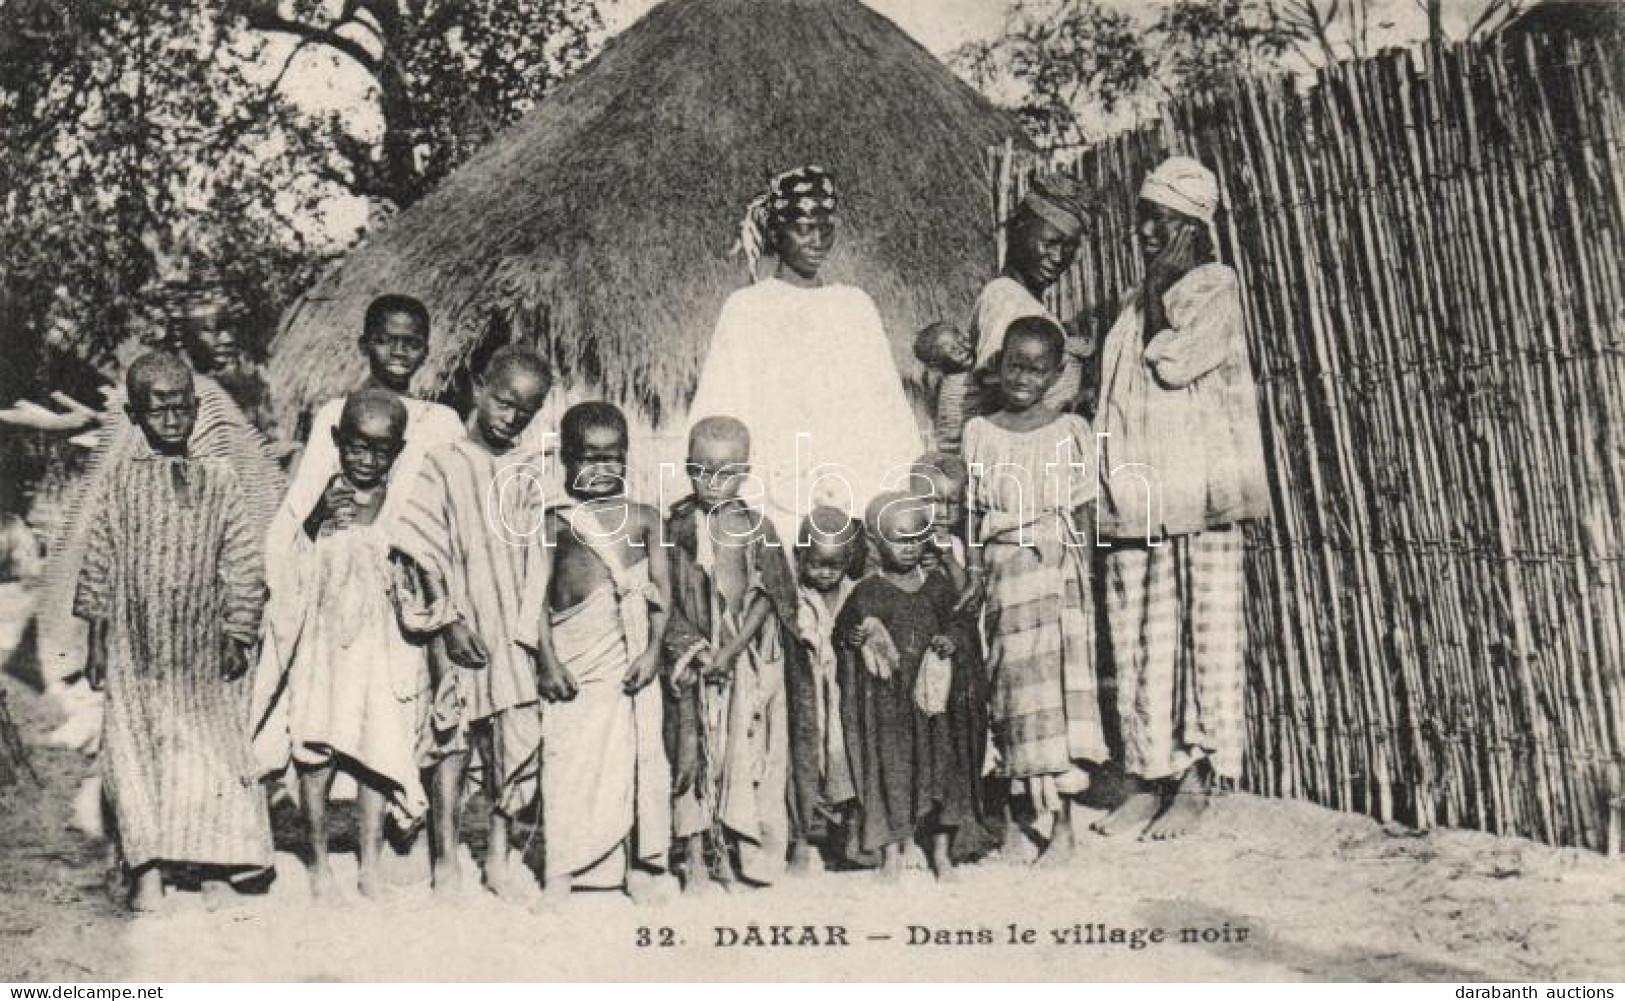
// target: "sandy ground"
[[1269, 890]]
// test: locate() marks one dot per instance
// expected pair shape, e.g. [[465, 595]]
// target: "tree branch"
[[269, 21]]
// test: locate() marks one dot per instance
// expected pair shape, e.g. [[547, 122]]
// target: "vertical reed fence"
[[1430, 248]]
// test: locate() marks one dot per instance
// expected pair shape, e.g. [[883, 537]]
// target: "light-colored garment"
[[1002, 302], [606, 783], [352, 683], [173, 568], [1178, 636], [428, 426], [1183, 448], [810, 373], [1044, 702], [815, 627], [473, 526]]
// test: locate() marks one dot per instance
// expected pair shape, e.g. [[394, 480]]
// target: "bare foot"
[[698, 882], [448, 879], [217, 893], [512, 883], [147, 896], [323, 888], [913, 857], [802, 857], [369, 884], [556, 893], [1061, 845], [941, 865], [1184, 810], [1131, 815], [648, 889], [891, 864]]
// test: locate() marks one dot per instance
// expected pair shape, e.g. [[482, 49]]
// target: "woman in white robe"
[[806, 366]]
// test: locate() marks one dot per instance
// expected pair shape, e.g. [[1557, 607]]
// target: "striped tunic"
[[221, 432], [471, 523], [171, 567]]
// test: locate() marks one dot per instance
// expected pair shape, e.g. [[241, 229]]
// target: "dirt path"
[[1284, 891]]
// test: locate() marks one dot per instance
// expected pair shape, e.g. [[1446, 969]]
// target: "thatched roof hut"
[[597, 227]]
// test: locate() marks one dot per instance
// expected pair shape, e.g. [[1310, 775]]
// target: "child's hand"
[[879, 652], [943, 646], [642, 671], [338, 499], [96, 656], [464, 648], [233, 657], [718, 668], [974, 594], [556, 684]]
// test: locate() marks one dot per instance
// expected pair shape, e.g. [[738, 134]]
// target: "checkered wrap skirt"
[[1044, 704], [1178, 634]]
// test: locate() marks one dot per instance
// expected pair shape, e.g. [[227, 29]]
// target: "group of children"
[[660, 692]]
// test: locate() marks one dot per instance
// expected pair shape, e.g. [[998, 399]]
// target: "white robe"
[[810, 373]]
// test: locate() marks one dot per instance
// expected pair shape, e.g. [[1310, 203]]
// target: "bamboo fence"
[[1430, 249]]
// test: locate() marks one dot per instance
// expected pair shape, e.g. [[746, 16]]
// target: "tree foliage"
[[445, 74], [141, 137], [1075, 69]]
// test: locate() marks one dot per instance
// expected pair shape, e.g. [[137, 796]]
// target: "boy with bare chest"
[[594, 623]]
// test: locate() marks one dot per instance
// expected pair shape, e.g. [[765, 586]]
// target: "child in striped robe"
[[172, 588], [469, 530]]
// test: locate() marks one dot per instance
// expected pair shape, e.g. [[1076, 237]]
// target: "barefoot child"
[[355, 686], [830, 544], [1031, 510], [911, 697], [594, 623], [172, 589], [468, 532], [731, 631], [395, 340]]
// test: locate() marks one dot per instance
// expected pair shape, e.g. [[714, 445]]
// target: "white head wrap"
[[1185, 186]]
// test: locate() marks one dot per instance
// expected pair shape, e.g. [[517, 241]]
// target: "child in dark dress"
[[912, 699]]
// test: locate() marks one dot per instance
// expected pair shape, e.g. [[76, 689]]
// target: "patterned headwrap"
[[1058, 200], [805, 194]]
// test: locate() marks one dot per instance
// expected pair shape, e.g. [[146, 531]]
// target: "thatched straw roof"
[[597, 227]]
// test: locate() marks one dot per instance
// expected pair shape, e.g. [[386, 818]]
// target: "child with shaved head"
[[728, 640], [469, 530], [172, 587], [355, 686], [593, 623], [911, 694], [831, 550]]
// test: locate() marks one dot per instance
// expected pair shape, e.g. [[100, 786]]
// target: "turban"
[[1056, 199], [1185, 186], [805, 194]]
